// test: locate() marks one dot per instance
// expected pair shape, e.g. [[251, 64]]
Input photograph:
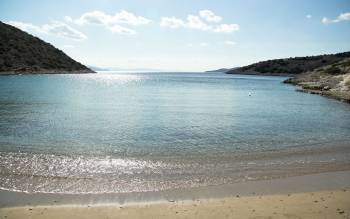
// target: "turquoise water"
[[122, 132]]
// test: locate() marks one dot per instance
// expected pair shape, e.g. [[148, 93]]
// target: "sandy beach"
[[324, 195], [323, 204]]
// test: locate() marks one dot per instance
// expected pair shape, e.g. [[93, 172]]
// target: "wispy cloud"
[[308, 16], [121, 30], [226, 28], [171, 22], [116, 23], [201, 22], [209, 16], [229, 43], [341, 17], [194, 22], [204, 44], [54, 28]]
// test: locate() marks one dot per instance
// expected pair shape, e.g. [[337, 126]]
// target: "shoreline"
[[322, 93], [324, 204], [325, 195], [47, 72], [254, 73], [297, 184]]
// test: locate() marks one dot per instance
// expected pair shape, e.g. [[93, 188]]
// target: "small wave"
[[78, 174]]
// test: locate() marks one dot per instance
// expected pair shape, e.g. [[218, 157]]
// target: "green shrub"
[[333, 70]]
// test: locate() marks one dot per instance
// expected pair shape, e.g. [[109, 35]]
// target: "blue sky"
[[184, 35]]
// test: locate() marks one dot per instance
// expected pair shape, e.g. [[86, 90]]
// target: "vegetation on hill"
[[327, 75], [21, 52], [291, 66], [330, 80]]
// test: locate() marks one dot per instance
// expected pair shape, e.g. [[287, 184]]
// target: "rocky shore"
[[327, 75], [330, 80]]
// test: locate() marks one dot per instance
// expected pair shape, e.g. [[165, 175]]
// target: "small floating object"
[[249, 94]]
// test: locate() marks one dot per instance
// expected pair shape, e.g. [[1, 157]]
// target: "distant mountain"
[[95, 68], [135, 69], [290, 66], [222, 70], [22, 53]]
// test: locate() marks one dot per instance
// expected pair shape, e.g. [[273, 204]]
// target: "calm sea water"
[[123, 132]]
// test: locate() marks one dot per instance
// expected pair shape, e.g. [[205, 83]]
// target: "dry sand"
[[322, 204]]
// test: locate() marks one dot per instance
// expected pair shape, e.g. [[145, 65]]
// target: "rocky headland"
[[22, 53], [327, 75]]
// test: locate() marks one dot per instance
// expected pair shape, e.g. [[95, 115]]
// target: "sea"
[[115, 132]]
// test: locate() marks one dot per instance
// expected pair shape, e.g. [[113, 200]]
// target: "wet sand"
[[323, 195], [323, 204], [296, 184]]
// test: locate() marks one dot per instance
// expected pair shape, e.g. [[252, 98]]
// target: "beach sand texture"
[[322, 204]]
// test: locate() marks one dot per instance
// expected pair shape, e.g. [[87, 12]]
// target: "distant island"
[[22, 53], [224, 70], [116, 69], [327, 75]]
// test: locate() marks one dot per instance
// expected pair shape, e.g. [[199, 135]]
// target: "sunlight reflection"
[[112, 78]]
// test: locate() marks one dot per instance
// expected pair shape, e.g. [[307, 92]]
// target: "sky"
[[183, 35]]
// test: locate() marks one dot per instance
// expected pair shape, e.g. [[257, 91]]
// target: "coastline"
[[46, 72], [310, 195], [295, 184], [17, 204], [255, 73], [323, 93], [299, 87]]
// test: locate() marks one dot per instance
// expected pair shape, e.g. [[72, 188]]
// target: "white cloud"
[[209, 16], [341, 17], [197, 22], [64, 30], [344, 17], [326, 21], [171, 22], [226, 28], [111, 22], [204, 44], [99, 17], [27, 27], [94, 17], [125, 17], [230, 43], [308, 16], [194, 22], [68, 19], [54, 28], [121, 30]]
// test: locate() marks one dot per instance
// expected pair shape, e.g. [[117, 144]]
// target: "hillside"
[[22, 53], [330, 80], [290, 66]]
